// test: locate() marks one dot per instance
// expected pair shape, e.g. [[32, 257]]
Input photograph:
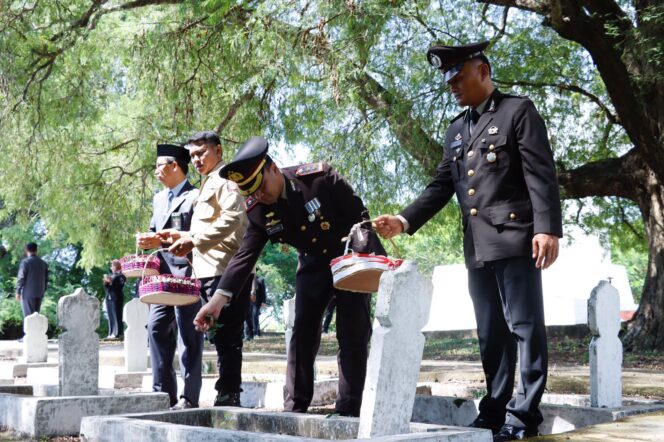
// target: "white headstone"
[[289, 320], [402, 310], [35, 341], [605, 347], [135, 314], [78, 315]]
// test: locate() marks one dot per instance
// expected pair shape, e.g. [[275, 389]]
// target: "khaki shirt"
[[217, 225]]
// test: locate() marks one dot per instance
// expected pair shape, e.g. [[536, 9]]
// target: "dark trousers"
[[313, 288], [228, 335], [252, 325], [114, 311], [507, 296], [167, 325], [30, 305]]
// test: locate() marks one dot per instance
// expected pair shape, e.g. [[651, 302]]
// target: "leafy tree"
[[89, 86]]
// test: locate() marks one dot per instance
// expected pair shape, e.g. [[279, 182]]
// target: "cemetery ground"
[[451, 366]]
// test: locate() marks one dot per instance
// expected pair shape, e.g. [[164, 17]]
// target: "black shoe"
[[227, 399], [480, 422], [510, 432], [183, 404]]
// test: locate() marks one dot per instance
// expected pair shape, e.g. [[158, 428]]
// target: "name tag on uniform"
[[176, 220], [275, 229], [455, 144]]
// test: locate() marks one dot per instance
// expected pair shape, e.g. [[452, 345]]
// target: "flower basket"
[[360, 272], [136, 266]]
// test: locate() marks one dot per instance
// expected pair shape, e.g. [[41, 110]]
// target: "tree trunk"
[[646, 330]]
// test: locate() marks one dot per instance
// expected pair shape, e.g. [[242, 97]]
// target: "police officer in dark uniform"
[[498, 161], [311, 208]]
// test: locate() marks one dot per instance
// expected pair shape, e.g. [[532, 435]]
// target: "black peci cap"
[[173, 150], [246, 168], [450, 59]]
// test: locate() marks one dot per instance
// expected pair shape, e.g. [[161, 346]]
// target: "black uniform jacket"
[[504, 178], [319, 211]]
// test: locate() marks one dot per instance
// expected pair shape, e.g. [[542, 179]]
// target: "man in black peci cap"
[[498, 161], [172, 209], [311, 208]]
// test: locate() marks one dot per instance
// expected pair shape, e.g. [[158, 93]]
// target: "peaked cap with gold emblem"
[[246, 168]]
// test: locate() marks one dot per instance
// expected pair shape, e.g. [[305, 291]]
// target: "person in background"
[[114, 289], [258, 299], [31, 281], [329, 312]]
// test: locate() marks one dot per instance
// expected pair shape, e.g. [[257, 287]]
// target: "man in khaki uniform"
[[217, 228]]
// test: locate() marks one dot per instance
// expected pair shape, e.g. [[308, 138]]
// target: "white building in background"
[[567, 286]]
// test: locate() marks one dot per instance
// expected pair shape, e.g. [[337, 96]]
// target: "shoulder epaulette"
[[309, 169], [458, 116], [250, 203], [514, 96]]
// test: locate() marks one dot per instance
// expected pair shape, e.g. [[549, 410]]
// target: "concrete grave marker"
[[289, 320], [78, 315], [402, 310], [35, 341], [605, 347], [135, 314]]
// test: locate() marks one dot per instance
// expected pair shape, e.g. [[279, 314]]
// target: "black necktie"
[[474, 117]]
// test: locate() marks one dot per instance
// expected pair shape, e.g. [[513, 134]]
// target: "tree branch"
[[233, 108], [536, 6], [622, 177], [566, 87]]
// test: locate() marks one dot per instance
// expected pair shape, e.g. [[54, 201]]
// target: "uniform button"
[[313, 240], [453, 158], [471, 172], [473, 211], [324, 251], [491, 147], [471, 192], [512, 216], [303, 227], [470, 153]]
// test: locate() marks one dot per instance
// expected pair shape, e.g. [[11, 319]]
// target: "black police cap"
[[450, 59], [173, 150], [246, 169]]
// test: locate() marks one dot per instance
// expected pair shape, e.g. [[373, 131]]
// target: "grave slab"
[[397, 342], [240, 425], [605, 348], [78, 315], [39, 417], [558, 418], [35, 341]]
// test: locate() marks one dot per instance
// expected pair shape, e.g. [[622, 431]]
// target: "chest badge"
[[493, 130], [272, 223], [269, 215], [312, 209], [491, 157], [458, 136], [325, 225]]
